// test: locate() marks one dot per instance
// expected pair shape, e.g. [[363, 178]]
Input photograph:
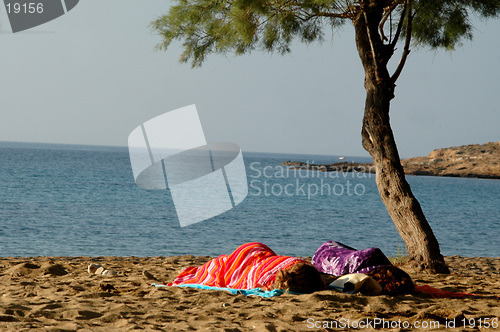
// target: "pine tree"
[[241, 26]]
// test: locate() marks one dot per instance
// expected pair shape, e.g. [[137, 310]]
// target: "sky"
[[93, 75]]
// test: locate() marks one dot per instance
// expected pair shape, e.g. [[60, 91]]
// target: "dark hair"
[[300, 278], [393, 280]]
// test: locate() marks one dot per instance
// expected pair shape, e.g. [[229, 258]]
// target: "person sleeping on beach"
[[254, 265], [337, 259]]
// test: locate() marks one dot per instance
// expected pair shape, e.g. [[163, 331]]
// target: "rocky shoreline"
[[472, 161], [343, 166]]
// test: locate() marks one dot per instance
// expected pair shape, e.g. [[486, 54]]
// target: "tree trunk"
[[378, 140]]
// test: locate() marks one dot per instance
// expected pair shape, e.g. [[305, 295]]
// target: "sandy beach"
[[58, 294]]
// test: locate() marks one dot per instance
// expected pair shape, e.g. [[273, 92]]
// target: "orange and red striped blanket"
[[251, 265]]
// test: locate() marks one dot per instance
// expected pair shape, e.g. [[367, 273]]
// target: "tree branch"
[[400, 26], [406, 49], [384, 19], [345, 14], [377, 77]]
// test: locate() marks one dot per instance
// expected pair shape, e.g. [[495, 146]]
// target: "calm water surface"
[[79, 200]]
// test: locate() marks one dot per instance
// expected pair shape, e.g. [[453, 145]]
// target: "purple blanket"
[[338, 259]]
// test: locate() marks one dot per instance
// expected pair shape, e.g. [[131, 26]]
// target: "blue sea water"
[[59, 200]]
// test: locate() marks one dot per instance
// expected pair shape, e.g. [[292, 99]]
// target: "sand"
[[58, 294]]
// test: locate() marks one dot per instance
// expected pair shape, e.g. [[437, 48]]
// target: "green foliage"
[[402, 255], [241, 26], [447, 23]]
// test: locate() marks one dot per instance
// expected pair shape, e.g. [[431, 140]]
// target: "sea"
[[72, 200]]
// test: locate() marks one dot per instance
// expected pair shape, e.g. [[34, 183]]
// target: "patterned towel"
[[246, 292], [251, 265], [338, 259]]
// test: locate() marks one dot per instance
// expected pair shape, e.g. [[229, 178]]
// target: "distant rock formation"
[[343, 166], [473, 161]]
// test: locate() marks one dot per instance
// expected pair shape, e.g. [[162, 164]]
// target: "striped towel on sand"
[[251, 265]]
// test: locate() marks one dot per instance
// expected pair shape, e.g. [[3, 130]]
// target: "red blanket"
[[251, 265]]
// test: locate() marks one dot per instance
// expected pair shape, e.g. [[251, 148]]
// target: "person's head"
[[393, 280], [299, 278]]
